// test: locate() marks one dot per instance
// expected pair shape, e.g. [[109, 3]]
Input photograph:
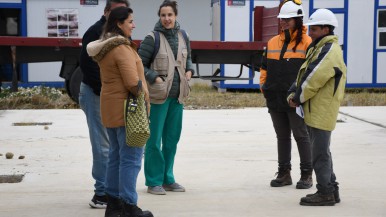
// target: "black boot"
[[283, 178], [305, 181], [318, 199], [336, 194], [134, 211], [114, 207]]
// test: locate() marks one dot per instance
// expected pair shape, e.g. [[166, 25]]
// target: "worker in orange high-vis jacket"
[[281, 62]]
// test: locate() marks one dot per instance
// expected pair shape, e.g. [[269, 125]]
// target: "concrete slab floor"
[[225, 159]]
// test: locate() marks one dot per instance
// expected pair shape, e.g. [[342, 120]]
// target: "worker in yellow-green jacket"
[[318, 92]]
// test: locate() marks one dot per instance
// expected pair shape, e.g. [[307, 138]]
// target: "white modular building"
[[72, 18], [361, 31]]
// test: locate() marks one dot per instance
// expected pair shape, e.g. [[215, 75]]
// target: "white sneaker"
[[99, 202]]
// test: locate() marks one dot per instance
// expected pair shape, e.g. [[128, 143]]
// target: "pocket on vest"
[[184, 57], [161, 63], [158, 91]]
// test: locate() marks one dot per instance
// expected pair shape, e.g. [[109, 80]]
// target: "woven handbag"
[[136, 119]]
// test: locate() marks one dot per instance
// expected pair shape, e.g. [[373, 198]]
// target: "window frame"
[[381, 30]]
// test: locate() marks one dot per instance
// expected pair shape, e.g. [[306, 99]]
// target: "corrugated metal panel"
[[270, 23]]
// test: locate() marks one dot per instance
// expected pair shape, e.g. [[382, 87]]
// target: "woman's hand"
[[159, 80], [147, 101], [188, 75]]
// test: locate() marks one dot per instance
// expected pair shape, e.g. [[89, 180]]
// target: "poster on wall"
[[62, 22], [88, 2]]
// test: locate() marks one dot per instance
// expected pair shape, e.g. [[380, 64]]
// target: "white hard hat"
[[322, 17], [290, 9]]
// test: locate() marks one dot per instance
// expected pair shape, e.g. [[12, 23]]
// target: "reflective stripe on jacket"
[[321, 83], [280, 66]]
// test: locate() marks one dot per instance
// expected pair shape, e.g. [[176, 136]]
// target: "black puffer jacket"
[[146, 52], [90, 68]]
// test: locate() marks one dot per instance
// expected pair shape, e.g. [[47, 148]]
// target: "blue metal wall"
[[23, 69]]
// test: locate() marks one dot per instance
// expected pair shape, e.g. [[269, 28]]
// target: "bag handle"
[[139, 89], [132, 107]]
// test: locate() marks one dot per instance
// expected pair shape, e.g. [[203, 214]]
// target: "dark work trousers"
[[322, 160], [284, 123]]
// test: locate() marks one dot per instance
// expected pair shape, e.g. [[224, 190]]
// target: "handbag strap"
[[133, 97], [139, 88]]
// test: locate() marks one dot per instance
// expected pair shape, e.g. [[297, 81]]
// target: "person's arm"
[[317, 74], [189, 65], [263, 69], [292, 90], [126, 62], [291, 94], [146, 53], [89, 67], [90, 35]]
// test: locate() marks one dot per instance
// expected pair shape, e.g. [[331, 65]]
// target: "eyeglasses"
[[285, 19], [298, 2]]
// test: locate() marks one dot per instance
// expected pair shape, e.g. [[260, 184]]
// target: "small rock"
[[46, 127], [9, 155], [1, 154], [21, 157]]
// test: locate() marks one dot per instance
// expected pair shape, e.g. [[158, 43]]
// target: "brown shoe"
[[318, 199], [336, 195], [305, 181], [283, 178]]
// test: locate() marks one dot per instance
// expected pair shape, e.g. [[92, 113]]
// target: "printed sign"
[[89, 2], [236, 2]]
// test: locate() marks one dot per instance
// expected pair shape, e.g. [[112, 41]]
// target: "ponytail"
[[299, 34]]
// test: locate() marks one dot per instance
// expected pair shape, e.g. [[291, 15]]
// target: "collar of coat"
[[323, 40], [293, 33], [158, 27], [99, 48]]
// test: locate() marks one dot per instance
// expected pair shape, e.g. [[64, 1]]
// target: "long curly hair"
[[298, 26]]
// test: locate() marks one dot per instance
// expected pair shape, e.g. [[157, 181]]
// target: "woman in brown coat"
[[121, 70]]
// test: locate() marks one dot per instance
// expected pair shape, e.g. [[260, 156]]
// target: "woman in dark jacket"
[[284, 55], [167, 76]]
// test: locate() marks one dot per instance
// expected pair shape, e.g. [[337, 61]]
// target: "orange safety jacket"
[[280, 66]]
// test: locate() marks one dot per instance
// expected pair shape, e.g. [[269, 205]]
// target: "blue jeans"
[[123, 167], [90, 104]]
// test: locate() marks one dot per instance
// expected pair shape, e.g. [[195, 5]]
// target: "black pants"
[[284, 123], [322, 160]]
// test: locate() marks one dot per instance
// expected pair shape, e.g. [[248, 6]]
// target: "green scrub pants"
[[161, 147]]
